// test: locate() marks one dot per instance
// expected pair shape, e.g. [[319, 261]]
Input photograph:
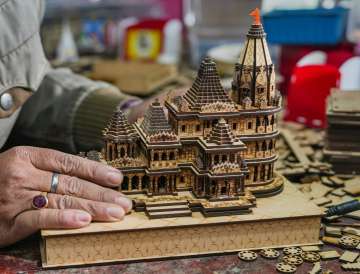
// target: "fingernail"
[[124, 202], [83, 217], [114, 177], [115, 212]]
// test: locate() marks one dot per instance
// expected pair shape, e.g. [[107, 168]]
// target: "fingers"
[[99, 211], [55, 161], [31, 221], [73, 186]]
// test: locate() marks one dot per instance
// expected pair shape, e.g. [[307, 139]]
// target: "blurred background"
[[146, 46]]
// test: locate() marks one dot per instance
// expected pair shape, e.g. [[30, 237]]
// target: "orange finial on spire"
[[256, 14]]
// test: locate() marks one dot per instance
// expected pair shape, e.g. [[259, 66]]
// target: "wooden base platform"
[[283, 220]]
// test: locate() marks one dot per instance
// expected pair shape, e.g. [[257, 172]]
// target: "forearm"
[[94, 113], [68, 112]]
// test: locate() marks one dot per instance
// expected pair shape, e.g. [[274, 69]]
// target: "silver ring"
[[54, 182]]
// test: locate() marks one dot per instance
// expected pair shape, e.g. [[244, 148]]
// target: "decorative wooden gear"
[[349, 242], [269, 253], [311, 257], [294, 251], [247, 255], [293, 260], [285, 268]]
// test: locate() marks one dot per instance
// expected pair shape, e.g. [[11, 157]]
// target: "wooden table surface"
[[24, 257]]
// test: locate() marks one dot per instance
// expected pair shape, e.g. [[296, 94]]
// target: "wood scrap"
[[329, 254], [318, 190], [316, 268], [330, 240], [351, 231], [333, 231], [352, 186], [349, 256], [354, 215], [326, 181], [295, 147], [338, 192], [351, 266], [337, 181], [321, 201], [307, 248]]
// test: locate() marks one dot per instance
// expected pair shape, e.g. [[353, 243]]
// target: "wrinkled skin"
[[82, 194]]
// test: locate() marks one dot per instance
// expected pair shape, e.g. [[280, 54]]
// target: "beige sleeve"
[[68, 112], [22, 59]]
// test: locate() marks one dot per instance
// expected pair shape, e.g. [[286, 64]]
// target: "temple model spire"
[[254, 75]]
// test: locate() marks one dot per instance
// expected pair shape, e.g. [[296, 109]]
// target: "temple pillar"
[[140, 181], [130, 181], [108, 152]]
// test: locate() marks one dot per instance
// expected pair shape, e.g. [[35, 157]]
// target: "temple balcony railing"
[[163, 164]]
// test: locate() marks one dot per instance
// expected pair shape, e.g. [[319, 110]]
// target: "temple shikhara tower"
[[214, 151]]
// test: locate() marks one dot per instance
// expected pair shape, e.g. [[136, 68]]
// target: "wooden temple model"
[[214, 152], [212, 155]]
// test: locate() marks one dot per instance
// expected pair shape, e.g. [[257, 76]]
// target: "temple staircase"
[[167, 209]]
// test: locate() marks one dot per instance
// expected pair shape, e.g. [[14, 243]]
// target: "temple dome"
[[155, 120], [221, 134], [119, 130], [207, 88]]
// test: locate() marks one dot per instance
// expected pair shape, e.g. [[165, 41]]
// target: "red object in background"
[[308, 89], [290, 55]]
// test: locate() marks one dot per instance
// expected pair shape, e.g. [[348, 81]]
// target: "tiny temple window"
[[156, 156], [172, 156], [163, 156]]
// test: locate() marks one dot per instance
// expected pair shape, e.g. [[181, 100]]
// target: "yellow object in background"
[[144, 44]]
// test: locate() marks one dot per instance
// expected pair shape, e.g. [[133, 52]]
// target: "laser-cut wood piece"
[[330, 254], [333, 231], [351, 266], [316, 268], [307, 248], [349, 241], [293, 260], [342, 142], [294, 251], [285, 268], [269, 253], [351, 231], [349, 256], [310, 256], [247, 255], [295, 148], [271, 225], [330, 240]]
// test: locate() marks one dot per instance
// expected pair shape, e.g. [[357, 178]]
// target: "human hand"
[[81, 196]]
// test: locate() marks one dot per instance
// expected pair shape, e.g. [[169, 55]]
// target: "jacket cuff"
[[93, 114]]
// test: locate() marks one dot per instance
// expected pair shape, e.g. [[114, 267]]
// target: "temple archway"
[[125, 183], [122, 152], [135, 182], [145, 182], [162, 182]]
